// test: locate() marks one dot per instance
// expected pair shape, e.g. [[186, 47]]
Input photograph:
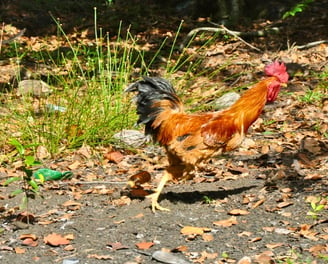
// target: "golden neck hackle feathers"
[[248, 108]]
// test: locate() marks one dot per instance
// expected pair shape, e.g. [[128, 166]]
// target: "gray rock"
[[169, 258], [133, 138], [226, 100], [35, 88]]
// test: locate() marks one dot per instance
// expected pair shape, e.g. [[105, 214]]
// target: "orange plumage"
[[192, 138]]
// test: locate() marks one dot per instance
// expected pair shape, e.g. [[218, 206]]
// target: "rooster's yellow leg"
[[154, 196]]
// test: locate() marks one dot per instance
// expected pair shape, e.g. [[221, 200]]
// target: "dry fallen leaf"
[[265, 149], [116, 246], [264, 258], [19, 250], [72, 205], [140, 215], [69, 248], [144, 245], [139, 178], [114, 156], [138, 193], [255, 239], [258, 203], [314, 176], [69, 236], [29, 242], [274, 245], [31, 236], [319, 249], [55, 240], [206, 255], [238, 212], [180, 249], [268, 228], [86, 151], [42, 153], [207, 237], [245, 233], [226, 223], [74, 165], [307, 233], [284, 204], [192, 230], [245, 260], [286, 190], [103, 257]]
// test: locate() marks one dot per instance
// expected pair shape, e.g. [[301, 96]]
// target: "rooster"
[[190, 139]]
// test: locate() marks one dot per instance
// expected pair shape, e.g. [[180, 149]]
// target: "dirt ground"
[[249, 206]]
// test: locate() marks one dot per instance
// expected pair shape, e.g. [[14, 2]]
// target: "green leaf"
[[267, 133], [16, 192], [11, 180], [24, 203], [298, 9], [29, 160], [319, 207], [34, 185], [20, 148]]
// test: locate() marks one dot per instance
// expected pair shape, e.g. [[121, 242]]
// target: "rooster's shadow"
[[190, 197]]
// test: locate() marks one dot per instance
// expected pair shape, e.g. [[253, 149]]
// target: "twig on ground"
[[259, 33], [311, 44], [13, 38], [236, 36]]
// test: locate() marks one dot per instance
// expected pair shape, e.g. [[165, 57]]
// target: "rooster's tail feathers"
[[155, 96]]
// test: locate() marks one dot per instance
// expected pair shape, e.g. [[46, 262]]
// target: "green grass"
[[90, 89], [312, 96], [88, 79], [319, 92]]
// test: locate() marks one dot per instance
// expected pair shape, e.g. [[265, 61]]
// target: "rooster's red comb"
[[278, 70]]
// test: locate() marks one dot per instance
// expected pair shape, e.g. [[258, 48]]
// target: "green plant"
[[207, 199], [323, 79], [87, 105], [269, 122], [316, 208], [225, 255], [89, 94], [30, 187], [298, 8], [294, 257], [311, 96]]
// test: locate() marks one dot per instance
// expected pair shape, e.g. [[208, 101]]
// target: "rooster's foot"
[[154, 203]]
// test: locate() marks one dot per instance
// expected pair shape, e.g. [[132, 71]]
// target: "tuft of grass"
[[311, 96], [87, 106], [88, 77]]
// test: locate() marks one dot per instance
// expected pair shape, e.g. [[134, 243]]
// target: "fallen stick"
[[311, 44], [236, 36], [259, 33]]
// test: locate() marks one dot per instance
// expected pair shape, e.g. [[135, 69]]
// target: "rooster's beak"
[[284, 85]]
